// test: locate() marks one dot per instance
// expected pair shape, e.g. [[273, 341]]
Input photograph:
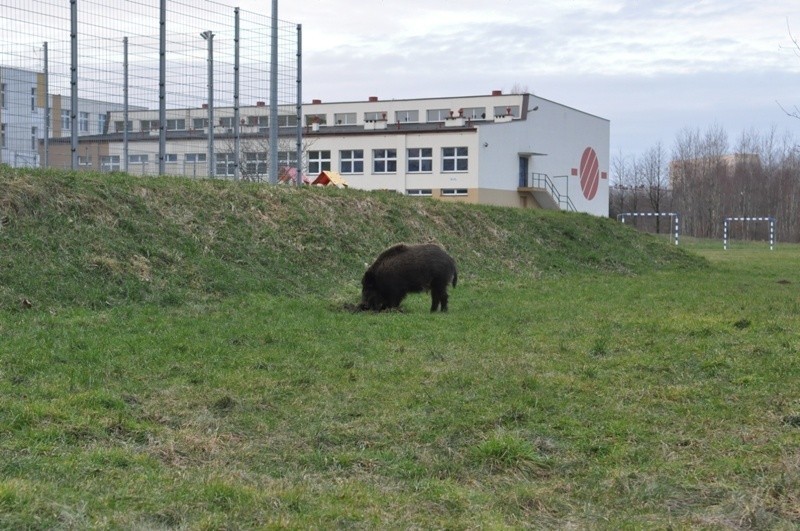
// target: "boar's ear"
[[369, 280]]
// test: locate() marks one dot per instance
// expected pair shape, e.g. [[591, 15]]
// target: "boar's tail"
[[455, 278]]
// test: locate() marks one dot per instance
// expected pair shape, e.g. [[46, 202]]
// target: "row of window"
[[347, 118], [427, 192], [384, 161], [413, 116], [418, 160], [3, 97], [34, 137], [179, 124], [83, 121], [225, 163]]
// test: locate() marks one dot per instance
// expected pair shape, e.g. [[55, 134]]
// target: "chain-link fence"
[[183, 87]]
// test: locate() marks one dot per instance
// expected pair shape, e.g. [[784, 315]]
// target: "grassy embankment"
[[186, 362]]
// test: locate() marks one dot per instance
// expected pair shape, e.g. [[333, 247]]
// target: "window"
[[149, 125], [200, 123], [261, 121], [321, 119], [420, 160], [110, 163], [406, 116], [33, 100], [475, 113], [101, 123], [118, 126], [3, 95], [138, 159], [513, 110], [226, 164], [318, 161], [287, 120], [424, 192], [351, 161], [84, 160], [171, 157], [454, 191], [374, 116], [83, 122], [255, 163], [66, 119], [287, 158], [176, 125], [33, 139], [438, 115], [384, 160], [3, 135], [226, 122], [345, 118], [455, 159], [194, 158]]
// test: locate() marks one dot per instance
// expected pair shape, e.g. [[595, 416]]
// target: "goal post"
[[674, 219], [770, 219]]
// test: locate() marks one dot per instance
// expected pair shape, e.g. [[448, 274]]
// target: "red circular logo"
[[590, 173]]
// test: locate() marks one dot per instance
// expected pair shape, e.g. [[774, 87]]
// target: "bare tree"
[[655, 178], [794, 112]]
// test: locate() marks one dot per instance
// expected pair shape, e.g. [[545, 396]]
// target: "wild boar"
[[403, 269]]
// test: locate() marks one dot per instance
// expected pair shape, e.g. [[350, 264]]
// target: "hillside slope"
[[94, 240]]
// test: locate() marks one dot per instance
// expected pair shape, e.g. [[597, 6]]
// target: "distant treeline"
[[705, 179]]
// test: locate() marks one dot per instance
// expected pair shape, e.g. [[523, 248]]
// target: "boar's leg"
[[439, 297]]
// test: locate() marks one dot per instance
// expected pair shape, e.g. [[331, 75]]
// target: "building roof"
[[330, 178]]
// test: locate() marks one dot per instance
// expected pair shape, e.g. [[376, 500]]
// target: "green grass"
[[605, 381]]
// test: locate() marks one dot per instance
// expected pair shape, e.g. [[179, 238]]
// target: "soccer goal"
[[771, 220], [674, 220]]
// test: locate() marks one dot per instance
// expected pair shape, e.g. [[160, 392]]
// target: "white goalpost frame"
[[762, 218], [674, 219]]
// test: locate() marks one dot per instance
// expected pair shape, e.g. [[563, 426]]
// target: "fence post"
[[273, 97], [162, 86], [237, 168], [299, 125], [46, 70], [209, 37], [74, 84]]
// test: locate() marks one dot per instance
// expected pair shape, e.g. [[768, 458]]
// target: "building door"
[[523, 171]]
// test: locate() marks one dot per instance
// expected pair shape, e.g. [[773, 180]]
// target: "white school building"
[[517, 150]]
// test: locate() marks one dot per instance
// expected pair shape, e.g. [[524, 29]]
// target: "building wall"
[[22, 118], [497, 131], [553, 139], [401, 180]]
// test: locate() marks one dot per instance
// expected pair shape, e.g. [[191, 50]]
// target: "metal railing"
[[543, 181]]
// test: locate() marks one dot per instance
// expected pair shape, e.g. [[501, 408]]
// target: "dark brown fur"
[[404, 269]]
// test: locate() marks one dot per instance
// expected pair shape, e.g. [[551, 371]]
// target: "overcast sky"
[[652, 68]]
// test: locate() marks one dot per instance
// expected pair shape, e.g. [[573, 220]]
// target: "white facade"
[[21, 117], [502, 136]]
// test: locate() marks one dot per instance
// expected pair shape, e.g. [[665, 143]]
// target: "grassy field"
[[186, 362]]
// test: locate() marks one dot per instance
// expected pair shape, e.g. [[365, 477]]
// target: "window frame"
[[317, 161], [226, 160], [455, 158], [407, 116], [345, 118], [387, 157], [352, 157], [420, 159]]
